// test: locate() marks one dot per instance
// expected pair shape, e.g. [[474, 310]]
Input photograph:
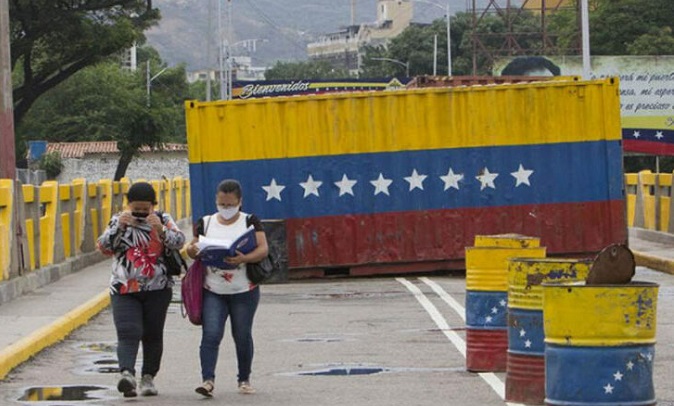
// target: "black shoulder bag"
[[175, 264], [259, 272]]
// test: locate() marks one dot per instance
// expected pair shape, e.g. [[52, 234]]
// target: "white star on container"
[[311, 186], [630, 366], [659, 135], [488, 319], [636, 134], [523, 332], [487, 179], [381, 185], [415, 180], [452, 179], [527, 344], [618, 376], [608, 388], [346, 185], [273, 190], [522, 176]]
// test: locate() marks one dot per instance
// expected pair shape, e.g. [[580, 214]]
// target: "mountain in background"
[[284, 27]]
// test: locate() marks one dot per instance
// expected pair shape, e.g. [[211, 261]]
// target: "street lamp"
[[449, 41], [150, 79], [405, 64]]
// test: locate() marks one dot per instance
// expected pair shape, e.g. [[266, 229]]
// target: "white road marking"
[[490, 378]]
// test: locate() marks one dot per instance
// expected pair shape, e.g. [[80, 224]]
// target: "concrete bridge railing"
[[50, 230]]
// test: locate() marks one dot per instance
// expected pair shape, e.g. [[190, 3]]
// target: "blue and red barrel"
[[525, 369], [487, 300]]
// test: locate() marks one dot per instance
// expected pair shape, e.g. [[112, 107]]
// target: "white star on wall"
[[381, 185], [608, 388], [527, 344], [522, 176], [487, 179], [494, 310], [488, 319], [630, 365], [659, 135], [311, 187], [416, 180], [503, 303], [636, 134], [452, 179], [346, 185], [523, 332], [273, 190], [618, 376]]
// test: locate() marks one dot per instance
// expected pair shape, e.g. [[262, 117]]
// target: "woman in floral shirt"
[[140, 287]]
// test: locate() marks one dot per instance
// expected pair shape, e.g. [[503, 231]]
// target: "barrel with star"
[[599, 343], [525, 366], [486, 304]]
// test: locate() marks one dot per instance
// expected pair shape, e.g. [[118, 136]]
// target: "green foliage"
[[52, 164], [304, 70], [52, 40]]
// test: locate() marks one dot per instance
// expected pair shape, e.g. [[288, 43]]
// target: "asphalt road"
[[366, 341]]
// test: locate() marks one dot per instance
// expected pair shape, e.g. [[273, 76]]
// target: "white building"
[[342, 48]]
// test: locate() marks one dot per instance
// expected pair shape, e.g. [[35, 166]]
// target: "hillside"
[[285, 26]]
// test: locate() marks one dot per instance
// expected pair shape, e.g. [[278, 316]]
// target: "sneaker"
[[147, 386], [206, 389], [245, 388], [127, 384]]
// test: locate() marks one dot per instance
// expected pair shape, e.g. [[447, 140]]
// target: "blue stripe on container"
[[486, 310], [525, 332], [563, 173], [599, 375]]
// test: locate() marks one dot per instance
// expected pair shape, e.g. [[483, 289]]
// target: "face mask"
[[229, 212]]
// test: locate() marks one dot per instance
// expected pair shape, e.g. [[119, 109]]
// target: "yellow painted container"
[[487, 267], [526, 275], [593, 316], [507, 241]]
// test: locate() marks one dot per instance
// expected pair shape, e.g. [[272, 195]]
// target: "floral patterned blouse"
[[138, 263]]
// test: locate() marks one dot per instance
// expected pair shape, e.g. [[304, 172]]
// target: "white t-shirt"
[[226, 281]]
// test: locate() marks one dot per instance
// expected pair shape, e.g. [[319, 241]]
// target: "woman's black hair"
[[526, 64], [141, 192], [230, 186]]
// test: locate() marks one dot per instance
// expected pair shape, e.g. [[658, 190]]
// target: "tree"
[[304, 70], [52, 40], [106, 103]]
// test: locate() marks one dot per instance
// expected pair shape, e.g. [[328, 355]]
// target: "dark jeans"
[[216, 308], [140, 317]]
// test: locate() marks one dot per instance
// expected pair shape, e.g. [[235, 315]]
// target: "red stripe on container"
[[441, 235], [525, 379], [486, 350]]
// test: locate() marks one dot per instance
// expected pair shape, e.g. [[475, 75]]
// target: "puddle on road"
[[351, 370], [64, 394]]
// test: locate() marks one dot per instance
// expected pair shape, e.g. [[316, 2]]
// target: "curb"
[[653, 262], [22, 350]]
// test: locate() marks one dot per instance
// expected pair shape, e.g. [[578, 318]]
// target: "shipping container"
[[403, 181]]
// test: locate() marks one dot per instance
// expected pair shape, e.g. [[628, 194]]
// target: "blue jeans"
[[216, 308]]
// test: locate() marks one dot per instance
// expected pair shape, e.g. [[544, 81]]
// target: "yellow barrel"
[[487, 267], [525, 276], [507, 241], [599, 343]]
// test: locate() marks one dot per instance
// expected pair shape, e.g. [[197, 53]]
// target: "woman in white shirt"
[[228, 292]]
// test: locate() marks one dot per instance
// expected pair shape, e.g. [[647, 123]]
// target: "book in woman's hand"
[[214, 252]]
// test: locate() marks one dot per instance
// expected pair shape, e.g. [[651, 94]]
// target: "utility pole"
[[353, 12], [7, 154]]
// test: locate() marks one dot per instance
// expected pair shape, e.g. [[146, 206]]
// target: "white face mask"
[[229, 212]]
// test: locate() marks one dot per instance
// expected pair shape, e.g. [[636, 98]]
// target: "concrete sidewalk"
[[46, 315]]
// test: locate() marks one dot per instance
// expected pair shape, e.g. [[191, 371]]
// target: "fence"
[[649, 201], [51, 223]]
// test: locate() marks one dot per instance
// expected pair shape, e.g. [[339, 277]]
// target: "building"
[[243, 70], [342, 48], [98, 160]]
